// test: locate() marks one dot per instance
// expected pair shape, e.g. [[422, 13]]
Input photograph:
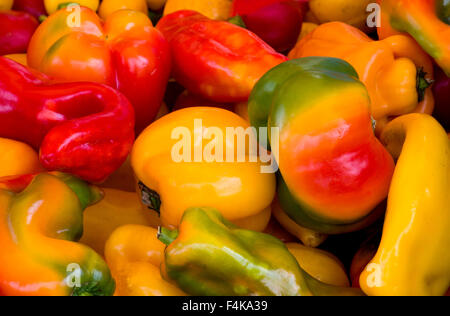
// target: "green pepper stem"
[[167, 236], [237, 20], [422, 83]]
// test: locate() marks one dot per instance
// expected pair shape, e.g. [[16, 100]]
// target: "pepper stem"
[[237, 20], [422, 83], [167, 236]]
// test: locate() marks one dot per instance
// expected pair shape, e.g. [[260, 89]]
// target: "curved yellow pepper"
[[51, 6], [118, 208], [134, 255], [108, 7], [213, 9], [413, 257], [17, 158], [237, 189], [6, 4], [320, 264], [307, 236]]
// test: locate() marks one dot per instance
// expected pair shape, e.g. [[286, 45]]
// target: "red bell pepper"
[[16, 29], [216, 60], [441, 90], [34, 7], [277, 22], [85, 129]]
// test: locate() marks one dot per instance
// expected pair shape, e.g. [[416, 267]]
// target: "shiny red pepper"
[[34, 7], [85, 129], [216, 60], [16, 29], [441, 90], [277, 22]]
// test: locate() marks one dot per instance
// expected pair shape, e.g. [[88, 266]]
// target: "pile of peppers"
[[224, 148]]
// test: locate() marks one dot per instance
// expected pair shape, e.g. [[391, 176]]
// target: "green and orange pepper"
[[41, 221], [427, 21], [333, 170]]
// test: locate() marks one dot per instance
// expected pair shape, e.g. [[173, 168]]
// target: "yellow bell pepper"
[[307, 28], [353, 12], [6, 4], [320, 264], [134, 255], [156, 4], [413, 257], [51, 6], [17, 158], [108, 7], [118, 208], [307, 236], [213, 9], [18, 58], [239, 190]]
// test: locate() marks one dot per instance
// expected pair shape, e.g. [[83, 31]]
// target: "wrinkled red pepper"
[[85, 129], [277, 22], [441, 90], [16, 29], [34, 7], [216, 60]]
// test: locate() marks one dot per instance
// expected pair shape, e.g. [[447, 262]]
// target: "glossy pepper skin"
[[225, 60], [16, 30], [134, 254], [125, 52], [169, 186], [108, 7], [427, 21], [396, 71], [333, 170], [17, 158], [34, 7], [41, 221], [213, 9], [413, 258], [211, 256], [277, 22], [85, 129], [54, 5]]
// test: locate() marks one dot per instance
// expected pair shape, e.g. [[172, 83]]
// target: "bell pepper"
[[41, 221], [52, 6], [441, 90], [320, 264], [135, 254], [169, 186], [308, 237], [122, 179], [85, 129], [225, 60], [16, 29], [117, 208], [108, 7], [17, 158], [213, 9], [427, 21], [211, 256], [396, 71], [413, 258], [34, 7], [333, 170], [125, 52], [277, 22], [6, 4], [352, 12]]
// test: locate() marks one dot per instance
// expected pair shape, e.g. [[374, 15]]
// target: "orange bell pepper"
[[17, 158], [125, 52], [396, 71], [134, 255]]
